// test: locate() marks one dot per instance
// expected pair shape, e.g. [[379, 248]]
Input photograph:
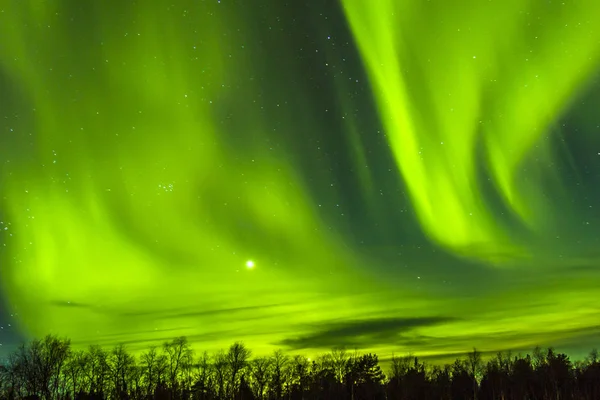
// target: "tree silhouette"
[[49, 369], [122, 370], [220, 368], [97, 372], [523, 379], [279, 362], [441, 382], [366, 378], [201, 388], [153, 366], [588, 376], [38, 366], [261, 373], [237, 359], [474, 365], [177, 352], [74, 371], [299, 377], [462, 381]]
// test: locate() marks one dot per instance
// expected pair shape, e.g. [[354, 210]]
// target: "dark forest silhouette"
[[50, 369]]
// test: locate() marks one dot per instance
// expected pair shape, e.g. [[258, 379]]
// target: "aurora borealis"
[[391, 175]]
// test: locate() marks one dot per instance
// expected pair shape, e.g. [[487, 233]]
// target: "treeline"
[[50, 369]]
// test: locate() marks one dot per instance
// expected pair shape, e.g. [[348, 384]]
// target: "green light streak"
[[138, 215], [451, 77]]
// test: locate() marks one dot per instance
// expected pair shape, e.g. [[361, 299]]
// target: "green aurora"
[[402, 180]]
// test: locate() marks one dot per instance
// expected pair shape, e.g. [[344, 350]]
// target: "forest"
[[50, 368]]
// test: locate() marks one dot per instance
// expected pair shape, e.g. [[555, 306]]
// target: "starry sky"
[[397, 176]]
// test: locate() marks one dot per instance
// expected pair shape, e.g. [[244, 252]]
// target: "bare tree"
[[279, 363], [75, 368], [24, 370], [187, 370], [202, 375], [237, 359], [176, 351], [153, 366], [220, 369], [261, 373], [136, 388], [121, 365], [299, 374], [40, 365], [14, 376], [98, 370], [399, 366], [339, 360]]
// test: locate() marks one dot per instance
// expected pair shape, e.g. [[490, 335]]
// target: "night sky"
[[392, 176]]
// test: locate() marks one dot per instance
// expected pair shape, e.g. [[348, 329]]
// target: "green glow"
[[138, 215], [146, 211], [450, 77]]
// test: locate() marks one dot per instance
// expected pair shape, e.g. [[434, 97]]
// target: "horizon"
[[384, 361]]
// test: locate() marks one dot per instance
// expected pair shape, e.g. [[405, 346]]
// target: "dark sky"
[[301, 175]]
